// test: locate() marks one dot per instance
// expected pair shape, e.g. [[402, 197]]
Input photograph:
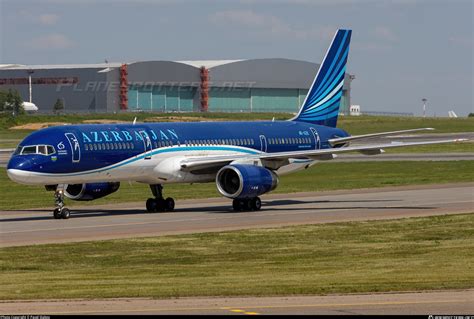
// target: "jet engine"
[[90, 191], [239, 181]]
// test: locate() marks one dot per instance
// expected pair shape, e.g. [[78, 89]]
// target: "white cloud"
[[43, 18], [385, 33], [371, 46], [461, 41], [48, 19], [269, 25], [54, 41]]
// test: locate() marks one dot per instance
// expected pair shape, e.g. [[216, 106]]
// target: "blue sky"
[[401, 51]]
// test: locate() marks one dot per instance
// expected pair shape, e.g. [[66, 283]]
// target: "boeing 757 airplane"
[[244, 159]]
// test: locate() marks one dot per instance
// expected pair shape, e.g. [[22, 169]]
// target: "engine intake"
[[245, 181], [90, 191]]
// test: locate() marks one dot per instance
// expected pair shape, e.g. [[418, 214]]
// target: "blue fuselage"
[[84, 148]]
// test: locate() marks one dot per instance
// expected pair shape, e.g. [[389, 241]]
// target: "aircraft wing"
[[343, 140], [276, 160]]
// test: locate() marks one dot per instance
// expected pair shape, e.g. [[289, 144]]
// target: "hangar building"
[[255, 85]]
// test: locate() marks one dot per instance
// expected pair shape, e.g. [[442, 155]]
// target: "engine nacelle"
[[245, 181], [90, 191]]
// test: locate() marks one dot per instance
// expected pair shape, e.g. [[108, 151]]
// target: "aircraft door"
[[146, 144], [263, 143], [317, 140], [75, 149]]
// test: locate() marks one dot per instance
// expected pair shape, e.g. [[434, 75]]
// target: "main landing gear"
[[159, 204], [60, 212], [247, 204]]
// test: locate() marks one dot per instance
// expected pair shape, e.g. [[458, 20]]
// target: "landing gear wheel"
[[65, 213], [151, 205], [256, 203], [236, 205], [240, 205], [60, 211], [169, 204], [57, 213], [159, 204]]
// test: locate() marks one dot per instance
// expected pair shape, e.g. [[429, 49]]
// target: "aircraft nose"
[[18, 169], [19, 162]]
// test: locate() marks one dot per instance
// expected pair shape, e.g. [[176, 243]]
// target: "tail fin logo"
[[321, 105]]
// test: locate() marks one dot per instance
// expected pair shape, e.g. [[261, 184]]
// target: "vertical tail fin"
[[321, 105]]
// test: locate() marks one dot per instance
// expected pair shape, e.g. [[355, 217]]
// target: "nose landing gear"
[[60, 212], [159, 204]]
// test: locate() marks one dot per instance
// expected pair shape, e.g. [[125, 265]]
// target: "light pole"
[[424, 106], [30, 72], [348, 103]]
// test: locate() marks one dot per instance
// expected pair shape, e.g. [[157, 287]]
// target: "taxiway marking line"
[[383, 303]]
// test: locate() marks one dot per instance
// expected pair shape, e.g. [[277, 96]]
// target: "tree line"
[[11, 102]]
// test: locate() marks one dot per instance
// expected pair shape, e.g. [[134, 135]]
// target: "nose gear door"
[[75, 148]]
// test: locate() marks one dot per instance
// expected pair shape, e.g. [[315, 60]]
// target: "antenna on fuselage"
[[134, 120]]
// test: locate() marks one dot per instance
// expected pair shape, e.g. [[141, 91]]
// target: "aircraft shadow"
[[272, 205]]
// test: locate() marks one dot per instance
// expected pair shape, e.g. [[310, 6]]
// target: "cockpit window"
[[18, 150], [28, 150], [35, 149]]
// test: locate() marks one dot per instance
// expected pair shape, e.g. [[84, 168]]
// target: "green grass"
[[321, 177], [373, 124], [357, 257]]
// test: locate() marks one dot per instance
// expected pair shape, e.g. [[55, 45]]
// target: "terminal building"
[[255, 85]]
